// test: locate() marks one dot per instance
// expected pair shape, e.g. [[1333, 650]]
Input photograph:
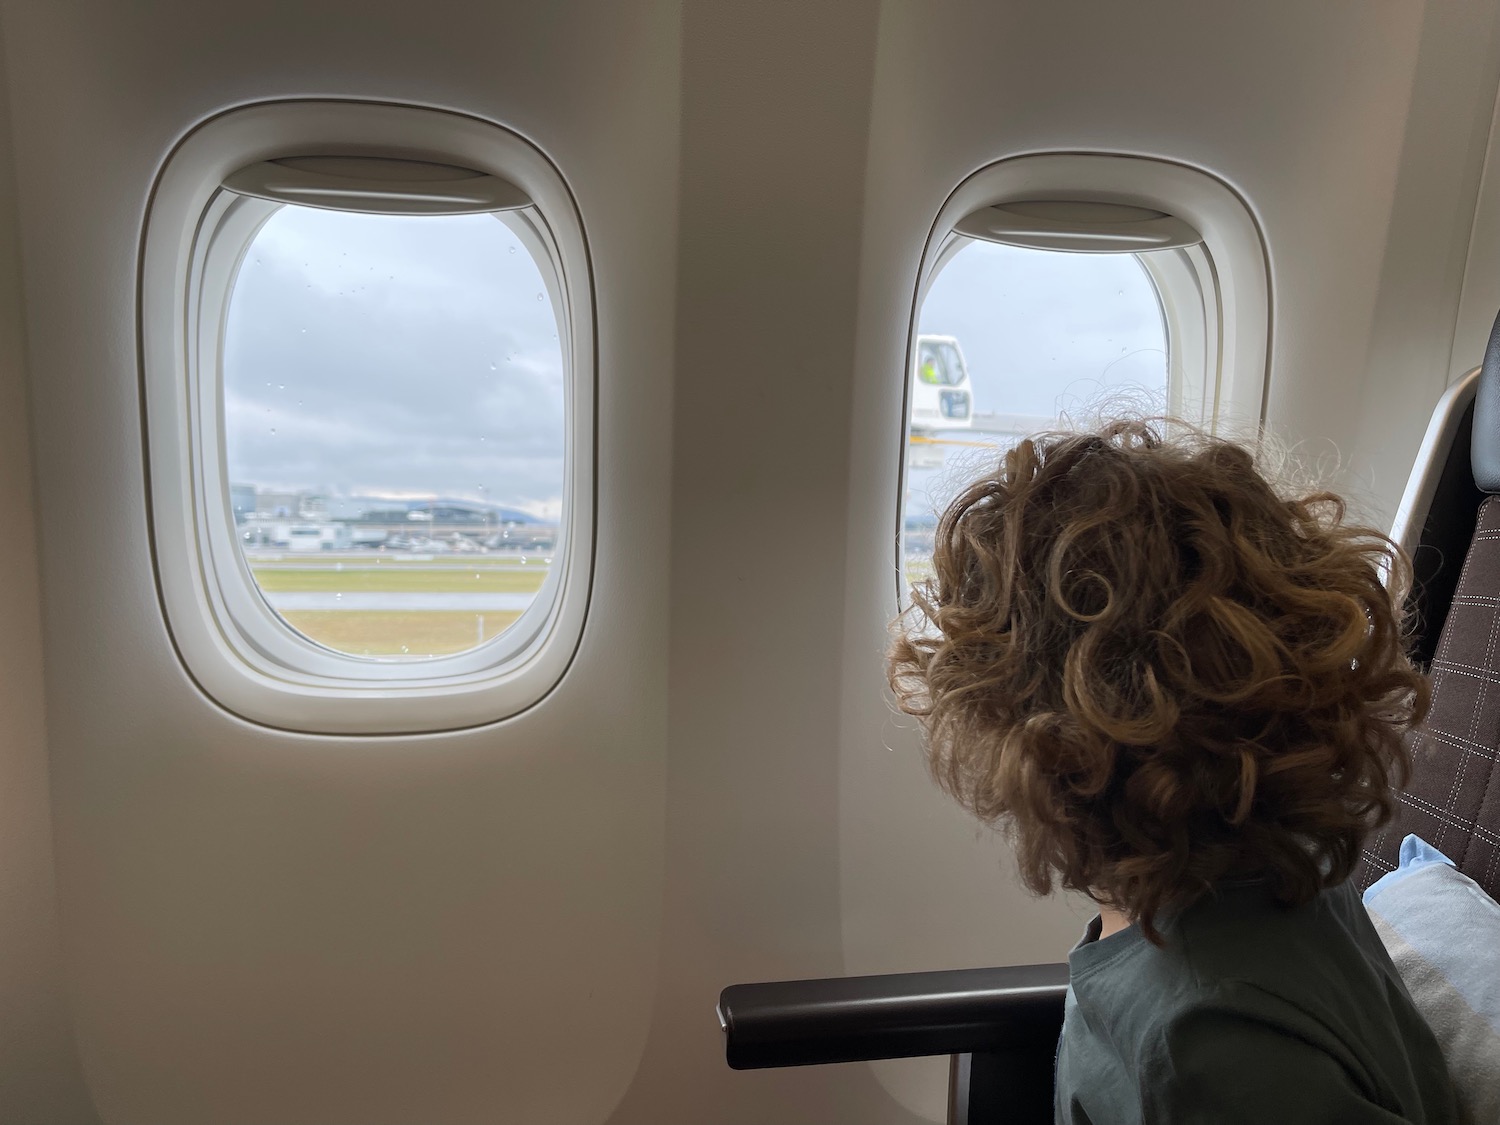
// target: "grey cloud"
[[407, 355]]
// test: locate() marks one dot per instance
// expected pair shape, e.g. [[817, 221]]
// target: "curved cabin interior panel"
[[460, 463]]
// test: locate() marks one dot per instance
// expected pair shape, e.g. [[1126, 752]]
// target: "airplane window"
[[393, 421], [1011, 340], [368, 381]]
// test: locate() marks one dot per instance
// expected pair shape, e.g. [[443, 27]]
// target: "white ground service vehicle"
[[941, 397]]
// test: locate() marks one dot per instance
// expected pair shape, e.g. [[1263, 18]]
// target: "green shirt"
[[1251, 1013]]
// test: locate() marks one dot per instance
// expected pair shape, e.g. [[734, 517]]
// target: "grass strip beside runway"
[[398, 633], [401, 580]]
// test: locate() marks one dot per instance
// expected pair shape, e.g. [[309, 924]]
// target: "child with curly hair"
[[1184, 693]]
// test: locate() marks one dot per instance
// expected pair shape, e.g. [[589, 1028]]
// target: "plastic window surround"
[[1206, 258], [232, 644]]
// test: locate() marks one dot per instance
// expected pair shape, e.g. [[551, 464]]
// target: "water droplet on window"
[[273, 431], [403, 648], [539, 297], [304, 332], [547, 561], [512, 249], [338, 597], [523, 560], [493, 367], [1121, 293], [281, 386], [481, 439]]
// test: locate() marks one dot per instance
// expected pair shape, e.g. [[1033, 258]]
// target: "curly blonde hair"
[[1158, 672]]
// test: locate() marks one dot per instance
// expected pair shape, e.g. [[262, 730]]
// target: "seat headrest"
[[1484, 452]]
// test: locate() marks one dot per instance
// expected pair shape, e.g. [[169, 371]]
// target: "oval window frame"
[[1215, 296], [234, 647]]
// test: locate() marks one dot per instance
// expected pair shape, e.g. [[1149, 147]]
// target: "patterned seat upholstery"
[[1453, 798]]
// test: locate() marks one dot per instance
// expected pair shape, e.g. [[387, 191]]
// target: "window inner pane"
[[393, 393], [1010, 341]]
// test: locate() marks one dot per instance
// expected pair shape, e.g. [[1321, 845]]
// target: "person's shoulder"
[[1304, 969], [1240, 933], [1243, 988], [1317, 969], [1234, 1051], [1264, 1002]]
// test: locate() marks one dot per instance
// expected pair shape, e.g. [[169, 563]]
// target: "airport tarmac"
[[492, 602]]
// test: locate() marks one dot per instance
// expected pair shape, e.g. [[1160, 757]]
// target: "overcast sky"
[[1042, 333], [405, 356], [419, 356]]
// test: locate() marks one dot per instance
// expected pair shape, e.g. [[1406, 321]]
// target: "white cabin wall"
[[40, 1077], [774, 128], [1416, 342], [267, 927], [1480, 300]]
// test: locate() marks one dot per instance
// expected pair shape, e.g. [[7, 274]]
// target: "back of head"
[[1159, 671]]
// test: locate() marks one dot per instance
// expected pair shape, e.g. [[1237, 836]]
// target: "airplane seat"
[[1450, 521], [1001, 1025]]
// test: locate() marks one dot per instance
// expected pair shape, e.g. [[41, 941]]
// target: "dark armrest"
[[849, 1019]]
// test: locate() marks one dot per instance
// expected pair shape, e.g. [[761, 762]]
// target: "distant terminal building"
[[273, 504], [311, 520]]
